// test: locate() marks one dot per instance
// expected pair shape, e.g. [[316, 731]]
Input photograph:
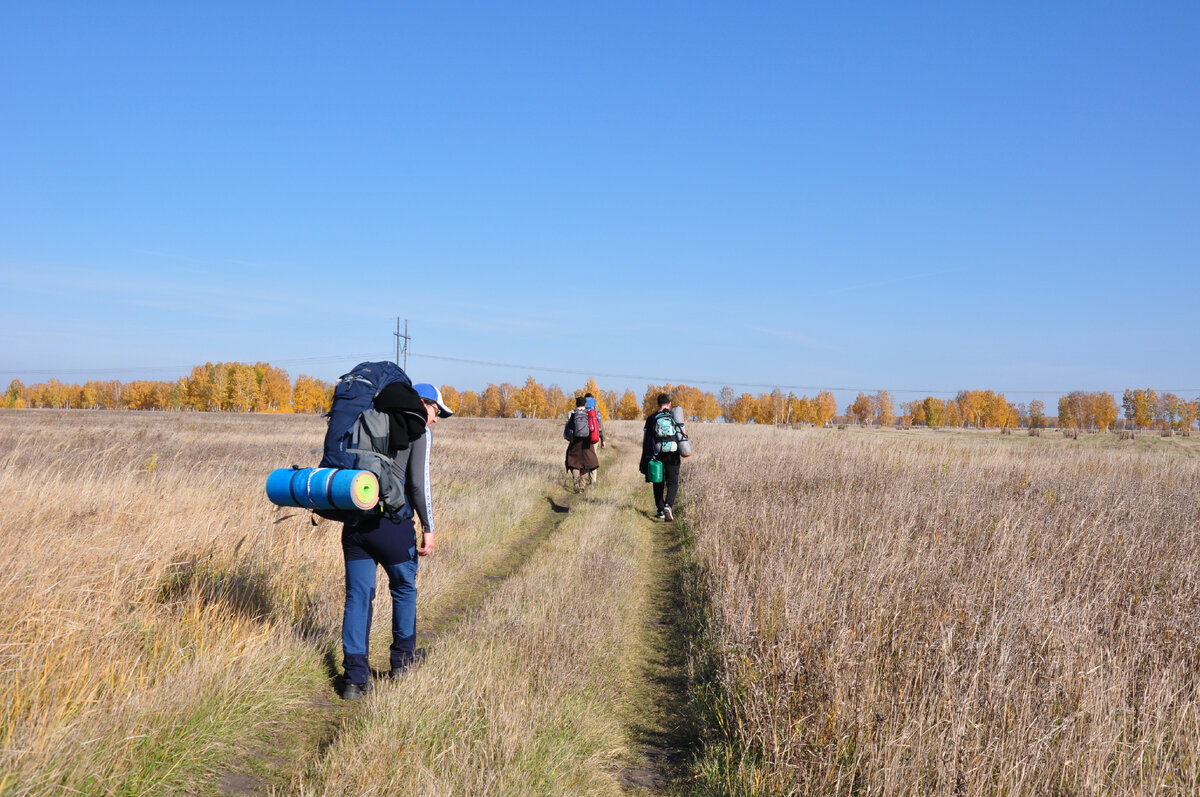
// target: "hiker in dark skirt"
[[582, 463]]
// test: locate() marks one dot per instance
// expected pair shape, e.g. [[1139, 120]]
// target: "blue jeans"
[[367, 544]]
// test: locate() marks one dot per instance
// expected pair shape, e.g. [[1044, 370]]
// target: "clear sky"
[[917, 197]]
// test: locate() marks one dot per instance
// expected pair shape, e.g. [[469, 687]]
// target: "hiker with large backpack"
[[661, 437], [584, 428], [381, 422]]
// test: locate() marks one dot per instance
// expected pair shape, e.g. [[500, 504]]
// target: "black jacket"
[[406, 414]]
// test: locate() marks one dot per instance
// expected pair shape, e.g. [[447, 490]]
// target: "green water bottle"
[[654, 471]]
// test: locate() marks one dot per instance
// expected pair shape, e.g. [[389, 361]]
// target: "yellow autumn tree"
[[628, 409], [862, 410], [557, 403], [274, 389], [591, 387], [952, 415], [610, 400], [1103, 410], [826, 407], [470, 404], [1139, 407], [885, 408], [530, 400], [744, 408], [241, 388], [451, 398], [710, 410], [309, 395], [491, 405]]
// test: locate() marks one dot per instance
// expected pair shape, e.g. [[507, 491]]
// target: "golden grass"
[[887, 612], [526, 696], [923, 613], [156, 611]]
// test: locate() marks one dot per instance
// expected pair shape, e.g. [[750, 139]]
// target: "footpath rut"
[[656, 714]]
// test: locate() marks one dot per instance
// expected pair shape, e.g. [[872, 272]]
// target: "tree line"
[[212, 387], [240, 387]]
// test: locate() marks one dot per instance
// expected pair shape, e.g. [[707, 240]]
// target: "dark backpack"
[[359, 435], [579, 423]]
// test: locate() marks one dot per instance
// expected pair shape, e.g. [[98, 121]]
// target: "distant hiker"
[[584, 428], [390, 540], [660, 444]]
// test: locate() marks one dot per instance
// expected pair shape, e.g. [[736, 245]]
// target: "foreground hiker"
[[660, 443], [584, 428], [391, 541]]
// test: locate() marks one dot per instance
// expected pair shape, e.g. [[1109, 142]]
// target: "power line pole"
[[402, 347]]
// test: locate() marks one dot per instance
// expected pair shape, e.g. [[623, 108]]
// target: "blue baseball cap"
[[431, 393]]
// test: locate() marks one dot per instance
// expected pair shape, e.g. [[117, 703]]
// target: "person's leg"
[[658, 496], [398, 553], [593, 475], [356, 619], [671, 484]]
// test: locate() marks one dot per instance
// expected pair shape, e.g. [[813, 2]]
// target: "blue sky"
[[920, 198]]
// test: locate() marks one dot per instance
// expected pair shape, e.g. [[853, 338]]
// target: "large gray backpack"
[[579, 423]]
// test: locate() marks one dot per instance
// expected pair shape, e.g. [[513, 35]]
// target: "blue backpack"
[[358, 434], [666, 432]]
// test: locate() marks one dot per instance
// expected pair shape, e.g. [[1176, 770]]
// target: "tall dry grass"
[[527, 696], [946, 614], [156, 612]]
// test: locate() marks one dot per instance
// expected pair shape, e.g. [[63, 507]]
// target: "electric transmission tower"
[[402, 344]]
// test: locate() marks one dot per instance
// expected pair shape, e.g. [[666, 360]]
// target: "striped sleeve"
[[418, 485]]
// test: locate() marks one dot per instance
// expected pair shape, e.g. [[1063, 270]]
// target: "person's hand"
[[425, 544], [602, 444]]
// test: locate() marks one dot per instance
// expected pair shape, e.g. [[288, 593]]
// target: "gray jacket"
[[414, 470]]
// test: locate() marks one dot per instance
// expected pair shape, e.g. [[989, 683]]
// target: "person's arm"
[[600, 424], [568, 432], [647, 448], [419, 489]]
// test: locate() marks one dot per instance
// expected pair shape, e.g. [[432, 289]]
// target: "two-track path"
[[656, 718]]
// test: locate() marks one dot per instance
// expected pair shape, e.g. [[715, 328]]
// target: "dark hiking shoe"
[[355, 691], [667, 513], [417, 657], [661, 515]]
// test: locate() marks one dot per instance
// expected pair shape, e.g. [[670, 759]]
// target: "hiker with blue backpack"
[[381, 422], [584, 428], [661, 455]]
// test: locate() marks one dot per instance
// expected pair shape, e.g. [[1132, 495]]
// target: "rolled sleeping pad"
[[323, 488], [685, 447]]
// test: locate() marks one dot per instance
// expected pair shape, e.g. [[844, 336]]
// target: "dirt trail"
[[657, 713], [659, 719], [268, 765]]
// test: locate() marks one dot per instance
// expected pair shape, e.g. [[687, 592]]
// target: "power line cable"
[[330, 358], [731, 382]]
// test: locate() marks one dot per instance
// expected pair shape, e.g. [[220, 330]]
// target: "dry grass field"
[[922, 613], [872, 612], [165, 629]]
